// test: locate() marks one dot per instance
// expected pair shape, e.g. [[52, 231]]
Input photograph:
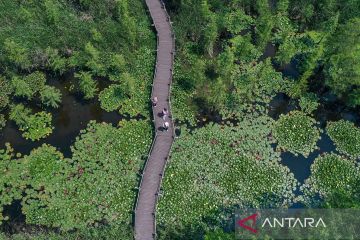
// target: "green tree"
[[128, 84], [36, 81], [128, 23], [237, 21], [19, 114], [343, 67], [5, 90], [243, 49], [50, 96], [210, 31], [117, 65], [54, 60], [264, 23], [87, 85], [53, 13], [17, 54], [21, 88], [94, 60]]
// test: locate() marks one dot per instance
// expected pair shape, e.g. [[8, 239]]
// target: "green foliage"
[[343, 70], [36, 81], [237, 21], [11, 182], [346, 137], [128, 23], [264, 23], [309, 103], [50, 96], [16, 54], [21, 88], [330, 174], [19, 114], [117, 64], [94, 60], [86, 36], [2, 121], [87, 85], [243, 49], [256, 84], [5, 90], [55, 61], [343, 199], [219, 235], [217, 167], [296, 133], [29, 85], [95, 185], [34, 126], [210, 28], [111, 98], [108, 232], [37, 126]]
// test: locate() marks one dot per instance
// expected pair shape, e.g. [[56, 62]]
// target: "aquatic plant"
[[96, 184], [346, 137], [297, 133], [218, 167], [329, 174], [111, 98], [34, 126], [11, 183], [37, 126]]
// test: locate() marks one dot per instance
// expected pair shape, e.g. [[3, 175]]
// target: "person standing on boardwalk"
[[166, 126], [164, 113], [154, 101]]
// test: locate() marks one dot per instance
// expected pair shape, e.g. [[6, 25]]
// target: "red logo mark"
[[253, 219]]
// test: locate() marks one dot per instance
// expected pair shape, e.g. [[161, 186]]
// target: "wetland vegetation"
[[265, 96]]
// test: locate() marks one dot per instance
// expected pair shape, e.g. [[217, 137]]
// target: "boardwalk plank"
[[145, 226]]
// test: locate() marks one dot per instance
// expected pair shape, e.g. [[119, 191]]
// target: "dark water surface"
[[330, 109], [300, 165], [72, 116]]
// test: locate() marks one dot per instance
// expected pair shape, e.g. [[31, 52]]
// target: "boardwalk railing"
[[156, 137]]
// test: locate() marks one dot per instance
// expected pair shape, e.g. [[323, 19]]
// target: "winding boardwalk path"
[[145, 210]]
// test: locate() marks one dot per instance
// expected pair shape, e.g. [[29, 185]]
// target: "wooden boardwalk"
[[145, 209]]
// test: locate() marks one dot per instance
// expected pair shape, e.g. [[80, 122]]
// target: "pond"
[[72, 116]]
